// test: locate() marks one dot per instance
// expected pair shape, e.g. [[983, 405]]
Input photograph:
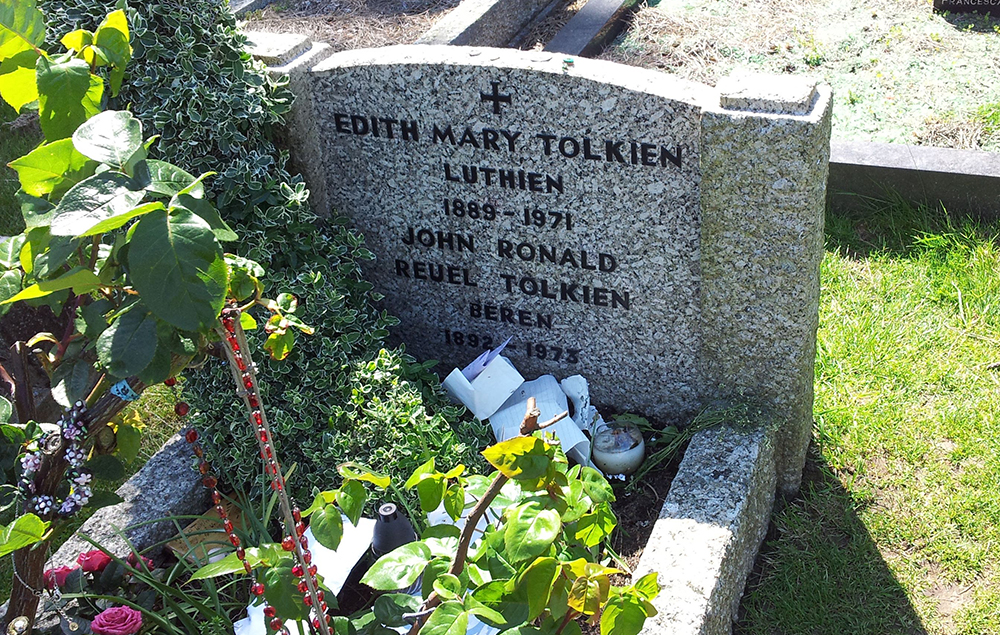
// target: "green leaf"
[[328, 526], [52, 169], [281, 593], [63, 87], [418, 473], [596, 486], [430, 490], [71, 382], [110, 137], [647, 586], [10, 250], [160, 366], [227, 565], [129, 441], [247, 323], [26, 530], [77, 40], [92, 201], [497, 596], [106, 466], [454, 501], [530, 530], [129, 343], [118, 220], [448, 586], [178, 269], [168, 179], [321, 500], [595, 526], [399, 568], [112, 37], [287, 302], [483, 612], [450, 618], [10, 284], [11, 439], [17, 79], [93, 320], [279, 345], [80, 280], [22, 26], [207, 212], [521, 458], [535, 584], [358, 472], [390, 608], [6, 410], [351, 498], [622, 615]]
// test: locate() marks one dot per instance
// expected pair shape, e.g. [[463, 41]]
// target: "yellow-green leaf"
[[76, 40], [81, 281]]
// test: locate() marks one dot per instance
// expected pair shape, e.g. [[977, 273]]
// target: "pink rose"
[[57, 577], [147, 564], [117, 620], [94, 560]]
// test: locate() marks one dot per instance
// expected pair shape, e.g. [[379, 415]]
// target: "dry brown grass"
[[353, 24]]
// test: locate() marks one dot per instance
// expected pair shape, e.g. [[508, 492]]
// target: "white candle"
[[618, 448]]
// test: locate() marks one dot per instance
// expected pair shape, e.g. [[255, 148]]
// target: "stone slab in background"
[[483, 22], [964, 181], [968, 6], [165, 486], [712, 523], [592, 28]]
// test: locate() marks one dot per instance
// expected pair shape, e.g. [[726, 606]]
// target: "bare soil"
[[352, 24], [900, 72]]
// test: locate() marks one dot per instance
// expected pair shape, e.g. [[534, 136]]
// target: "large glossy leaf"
[[10, 285], [535, 584], [17, 79], [10, 250], [178, 268], [52, 168], [22, 31], [6, 409], [399, 568], [118, 220], [168, 179], [595, 526], [110, 137], [63, 84], [71, 382], [207, 212], [92, 201], [356, 471], [24, 531], [80, 280], [22, 26], [327, 526], [128, 345], [112, 37], [530, 530], [622, 615], [449, 618], [521, 458], [281, 593], [390, 608], [351, 498]]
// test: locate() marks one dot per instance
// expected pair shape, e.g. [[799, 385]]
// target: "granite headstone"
[[660, 237]]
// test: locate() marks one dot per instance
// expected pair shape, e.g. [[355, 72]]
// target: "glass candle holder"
[[618, 448]]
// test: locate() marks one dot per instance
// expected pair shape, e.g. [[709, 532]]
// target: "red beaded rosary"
[[242, 367]]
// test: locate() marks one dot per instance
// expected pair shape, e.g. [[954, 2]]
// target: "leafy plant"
[[191, 82], [125, 244], [534, 570]]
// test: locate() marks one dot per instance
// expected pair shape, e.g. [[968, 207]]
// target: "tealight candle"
[[618, 448]]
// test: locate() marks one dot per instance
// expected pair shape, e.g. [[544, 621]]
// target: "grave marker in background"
[[661, 238]]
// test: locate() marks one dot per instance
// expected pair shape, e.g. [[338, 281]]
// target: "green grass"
[[897, 529]]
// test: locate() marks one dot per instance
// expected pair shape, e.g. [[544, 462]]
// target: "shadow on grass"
[[819, 572], [894, 227]]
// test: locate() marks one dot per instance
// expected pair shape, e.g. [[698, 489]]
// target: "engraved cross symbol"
[[496, 98]]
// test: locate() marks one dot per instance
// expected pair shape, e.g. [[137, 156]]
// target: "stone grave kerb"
[[757, 155]]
